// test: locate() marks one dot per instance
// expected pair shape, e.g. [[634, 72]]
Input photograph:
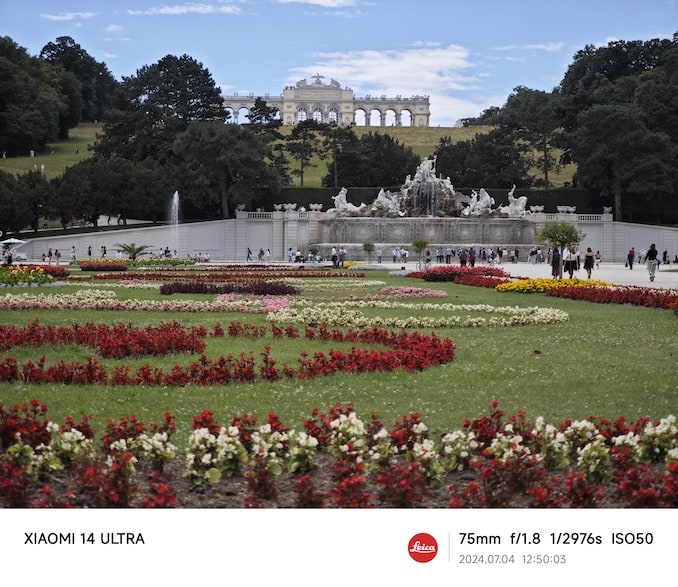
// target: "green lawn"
[[66, 153], [606, 361]]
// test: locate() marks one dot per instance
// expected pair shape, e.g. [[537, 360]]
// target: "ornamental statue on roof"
[[303, 83]]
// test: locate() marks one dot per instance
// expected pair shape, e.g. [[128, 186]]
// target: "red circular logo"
[[422, 547]]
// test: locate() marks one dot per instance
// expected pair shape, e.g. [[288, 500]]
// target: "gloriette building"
[[332, 104]]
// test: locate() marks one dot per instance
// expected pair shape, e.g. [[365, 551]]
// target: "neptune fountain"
[[427, 206], [425, 194]]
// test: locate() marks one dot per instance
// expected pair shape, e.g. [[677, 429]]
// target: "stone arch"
[[375, 117], [302, 114], [360, 117], [406, 118], [241, 115], [318, 113], [232, 115], [333, 116], [391, 117]]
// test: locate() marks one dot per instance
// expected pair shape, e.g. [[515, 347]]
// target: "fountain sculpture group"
[[428, 207], [425, 194]]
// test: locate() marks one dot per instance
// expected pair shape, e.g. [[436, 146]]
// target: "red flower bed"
[[103, 475], [118, 341], [56, 271], [633, 295], [409, 351], [103, 266]]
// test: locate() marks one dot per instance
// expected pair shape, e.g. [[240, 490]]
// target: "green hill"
[[56, 157], [423, 140]]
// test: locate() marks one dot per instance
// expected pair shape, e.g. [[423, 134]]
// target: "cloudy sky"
[[465, 55]]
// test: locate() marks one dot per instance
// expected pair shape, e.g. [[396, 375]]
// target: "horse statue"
[[516, 207], [472, 204], [480, 202], [341, 204], [485, 201]]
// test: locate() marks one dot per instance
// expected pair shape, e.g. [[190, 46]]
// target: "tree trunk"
[[617, 202]]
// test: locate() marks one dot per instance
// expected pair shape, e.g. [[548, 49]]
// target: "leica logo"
[[418, 547], [422, 547]]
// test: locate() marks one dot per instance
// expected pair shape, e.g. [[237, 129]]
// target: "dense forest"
[[614, 116]]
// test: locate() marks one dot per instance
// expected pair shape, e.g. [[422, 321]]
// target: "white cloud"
[[416, 70], [548, 47], [323, 3], [66, 16], [113, 28], [110, 55], [189, 8]]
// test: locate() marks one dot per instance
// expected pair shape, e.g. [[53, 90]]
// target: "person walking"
[[651, 259], [588, 262], [555, 264], [570, 261], [631, 257]]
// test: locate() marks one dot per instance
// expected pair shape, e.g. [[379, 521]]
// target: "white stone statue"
[[426, 171], [341, 204], [382, 201], [389, 202], [485, 201], [516, 207], [472, 204], [479, 203]]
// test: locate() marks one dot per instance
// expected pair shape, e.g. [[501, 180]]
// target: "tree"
[[14, 213], [32, 100], [560, 235], [95, 81], [373, 160], [419, 245], [38, 193], [132, 250], [616, 153], [302, 145], [489, 159], [219, 165], [368, 247], [533, 117], [336, 140], [150, 109], [265, 120]]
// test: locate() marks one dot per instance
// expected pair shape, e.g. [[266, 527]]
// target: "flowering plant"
[[457, 448], [209, 455]]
